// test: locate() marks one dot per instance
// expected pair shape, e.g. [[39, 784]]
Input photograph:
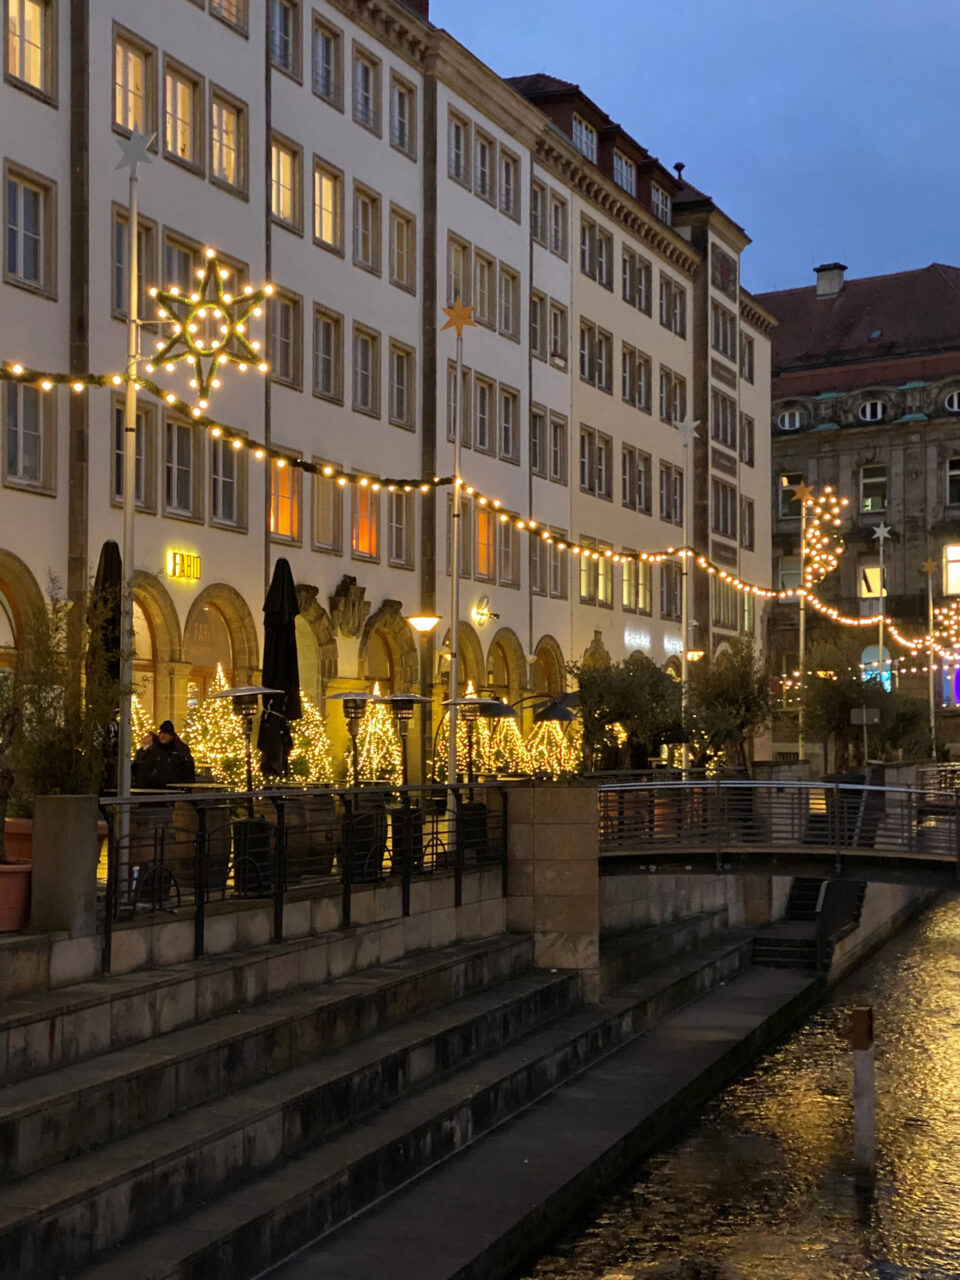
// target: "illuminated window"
[[284, 500], [869, 589], [605, 577], [365, 536], [327, 207], [588, 572], [873, 487], [30, 43], [182, 96], [228, 125], [789, 502], [285, 183], [485, 545], [951, 570], [133, 72], [232, 11]]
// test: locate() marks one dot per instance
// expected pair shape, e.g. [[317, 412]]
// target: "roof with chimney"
[[870, 331]]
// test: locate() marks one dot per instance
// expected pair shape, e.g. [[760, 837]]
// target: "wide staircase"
[[791, 943], [212, 1118]]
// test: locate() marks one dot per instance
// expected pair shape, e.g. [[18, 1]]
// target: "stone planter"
[[14, 895], [19, 839]]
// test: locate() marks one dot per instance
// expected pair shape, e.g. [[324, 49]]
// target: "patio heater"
[[402, 705], [246, 702], [354, 705], [472, 709]]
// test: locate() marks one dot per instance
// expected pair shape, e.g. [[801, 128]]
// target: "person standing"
[[164, 760]]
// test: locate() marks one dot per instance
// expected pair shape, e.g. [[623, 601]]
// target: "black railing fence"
[[174, 850]]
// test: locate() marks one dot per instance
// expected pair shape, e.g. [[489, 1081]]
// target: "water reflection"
[[761, 1188]]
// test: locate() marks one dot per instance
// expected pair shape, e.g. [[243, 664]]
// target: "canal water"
[[761, 1187]]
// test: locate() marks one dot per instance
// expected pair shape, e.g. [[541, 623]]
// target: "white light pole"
[[881, 532], [459, 317], [135, 153], [803, 494], [687, 430], [930, 568]]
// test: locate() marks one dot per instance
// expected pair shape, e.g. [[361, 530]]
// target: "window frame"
[[241, 188], [399, 216], [508, 451], [747, 359], [456, 119], [539, 340], [371, 497], [194, 512], [360, 54], [953, 475], [537, 446], [558, 429], [123, 35], [628, 170], [321, 26], [174, 69], [239, 24], [486, 303], [400, 498], [146, 262], [239, 521], [294, 69], [407, 420], [322, 169], [723, 330], [295, 498], [876, 480], [540, 218], [558, 228], [322, 481], [294, 301], [48, 89], [748, 443], [46, 402], [361, 332], [483, 139], [398, 85], [146, 461], [508, 290], [508, 192], [46, 286], [322, 313], [282, 143], [361, 192]]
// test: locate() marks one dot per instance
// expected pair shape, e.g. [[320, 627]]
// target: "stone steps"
[[627, 956], [252, 1227]]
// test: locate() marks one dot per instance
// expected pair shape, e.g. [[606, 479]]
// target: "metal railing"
[[183, 850], [722, 816]]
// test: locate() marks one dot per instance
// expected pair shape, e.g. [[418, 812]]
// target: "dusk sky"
[[826, 128]]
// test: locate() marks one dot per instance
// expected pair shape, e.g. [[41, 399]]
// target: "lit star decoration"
[[459, 317], [210, 328], [929, 566], [882, 531], [136, 151]]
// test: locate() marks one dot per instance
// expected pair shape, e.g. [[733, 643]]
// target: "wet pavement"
[[761, 1186]]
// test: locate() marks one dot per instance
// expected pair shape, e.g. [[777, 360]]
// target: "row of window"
[[636, 276], [731, 428], [729, 340], [869, 411], [730, 608], [476, 161], [585, 138], [488, 548], [492, 287], [489, 414]]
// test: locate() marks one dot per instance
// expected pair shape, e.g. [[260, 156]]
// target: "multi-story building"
[[373, 171], [866, 398]]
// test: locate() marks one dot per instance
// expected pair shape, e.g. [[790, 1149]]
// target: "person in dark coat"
[[164, 760]]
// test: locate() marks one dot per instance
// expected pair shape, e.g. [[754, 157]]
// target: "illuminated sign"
[[184, 565], [673, 644], [636, 639]]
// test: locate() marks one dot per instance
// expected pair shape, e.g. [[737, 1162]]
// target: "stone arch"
[[722, 649], [548, 675], [154, 598], [23, 597], [317, 621], [506, 658], [397, 636], [239, 620], [673, 667], [471, 665]]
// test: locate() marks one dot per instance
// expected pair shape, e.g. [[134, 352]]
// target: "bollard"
[[864, 1099]]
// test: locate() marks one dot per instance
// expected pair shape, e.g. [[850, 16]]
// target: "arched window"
[[379, 666], [308, 657], [872, 411], [8, 633], [952, 402], [790, 420], [207, 645], [870, 664], [144, 663]]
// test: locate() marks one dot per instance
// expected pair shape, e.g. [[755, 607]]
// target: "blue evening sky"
[[826, 128]]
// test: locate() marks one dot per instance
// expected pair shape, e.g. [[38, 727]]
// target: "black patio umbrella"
[[102, 663], [281, 670]]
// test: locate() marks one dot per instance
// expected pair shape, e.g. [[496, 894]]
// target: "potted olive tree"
[[58, 714]]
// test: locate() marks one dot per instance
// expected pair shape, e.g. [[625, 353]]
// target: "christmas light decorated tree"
[[215, 736], [506, 751], [140, 724], [311, 759], [554, 748], [379, 750]]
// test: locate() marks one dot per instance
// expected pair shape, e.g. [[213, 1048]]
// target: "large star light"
[[209, 328]]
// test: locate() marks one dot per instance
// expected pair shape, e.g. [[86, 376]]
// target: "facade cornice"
[[393, 25], [569, 166], [474, 81], [755, 316], [704, 213]]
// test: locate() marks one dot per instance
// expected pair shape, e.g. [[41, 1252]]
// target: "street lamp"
[[424, 624], [354, 704]]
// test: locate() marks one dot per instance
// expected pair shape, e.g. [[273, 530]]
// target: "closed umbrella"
[[102, 663], [281, 670]]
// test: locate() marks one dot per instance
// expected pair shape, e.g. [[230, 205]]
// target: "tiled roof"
[[534, 85], [878, 318]]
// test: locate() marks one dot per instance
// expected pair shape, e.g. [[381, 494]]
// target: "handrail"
[[765, 784]]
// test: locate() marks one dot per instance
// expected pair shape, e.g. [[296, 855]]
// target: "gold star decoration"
[[459, 317], [802, 491], [929, 566], [210, 328]]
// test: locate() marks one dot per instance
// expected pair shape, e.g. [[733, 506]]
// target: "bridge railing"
[[721, 816]]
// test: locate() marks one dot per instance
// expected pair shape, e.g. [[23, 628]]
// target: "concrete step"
[[59, 1219], [79, 1108], [53, 1029], [626, 956], [253, 1227]]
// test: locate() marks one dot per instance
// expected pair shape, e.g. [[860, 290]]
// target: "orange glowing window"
[[366, 522], [486, 543], [284, 500]]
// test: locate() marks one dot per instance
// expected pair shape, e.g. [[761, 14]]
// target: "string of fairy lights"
[[209, 328]]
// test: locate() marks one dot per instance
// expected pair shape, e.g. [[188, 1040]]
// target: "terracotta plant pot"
[[19, 839], [14, 896]]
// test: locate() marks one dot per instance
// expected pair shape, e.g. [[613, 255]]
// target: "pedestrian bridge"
[[830, 830]]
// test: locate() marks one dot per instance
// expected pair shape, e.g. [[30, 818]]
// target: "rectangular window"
[[558, 332], [146, 266], [29, 237], [327, 511], [484, 153], [628, 585], [366, 372], [673, 306], [538, 442], [458, 141], [366, 91], [747, 440], [328, 207], [628, 476], [604, 467], [400, 530], [24, 432], [509, 443], [178, 464], [233, 12], [644, 587], [628, 374], [458, 272], [538, 566], [588, 571], [119, 424], [679, 391], [644, 382], [509, 303], [538, 213], [671, 494], [660, 203], [465, 553], [482, 436], [723, 331], [365, 536], [723, 420], [587, 460], [453, 404], [508, 546], [538, 330], [558, 558], [605, 576], [588, 352], [224, 459], [401, 385], [182, 99], [327, 355], [789, 502], [509, 185], [723, 508], [283, 35], [873, 487], [725, 605], [953, 482], [485, 293], [746, 357], [670, 591], [284, 500], [31, 44], [605, 259], [666, 394], [485, 547], [747, 524], [133, 87], [366, 229], [403, 251], [558, 450], [285, 183], [588, 248], [585, 138], [284, 323], [228, 142], [328, 64], [951, 570], [605, 361], [403, 116], [624, 173], [644, 482], [558, 226]]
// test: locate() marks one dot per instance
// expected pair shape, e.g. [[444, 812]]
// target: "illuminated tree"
[[379, 750], [555, 749], [141, 724], [311, 759], [215, 736]]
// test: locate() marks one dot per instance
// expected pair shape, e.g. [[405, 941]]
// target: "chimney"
[[421, 7], [829, 279]]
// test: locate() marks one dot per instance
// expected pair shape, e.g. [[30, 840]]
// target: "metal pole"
[[129, 502], [931, 684], [685, 607], [802, 640], [880, 659], [864, 1099], [455, 570]]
